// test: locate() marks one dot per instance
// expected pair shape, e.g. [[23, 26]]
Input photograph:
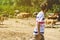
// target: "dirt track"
[[22, 29]]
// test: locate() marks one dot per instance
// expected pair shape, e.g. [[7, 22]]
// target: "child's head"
[[44, 7]]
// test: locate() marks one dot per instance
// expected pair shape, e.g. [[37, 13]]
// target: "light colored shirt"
[[40, 19]]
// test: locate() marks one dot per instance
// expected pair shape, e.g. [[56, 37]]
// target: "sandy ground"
[[22, 29]]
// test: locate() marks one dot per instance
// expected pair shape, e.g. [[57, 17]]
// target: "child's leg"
[[38, 37], [42, 36]]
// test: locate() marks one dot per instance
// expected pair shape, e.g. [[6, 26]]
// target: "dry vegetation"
[[22, 29]]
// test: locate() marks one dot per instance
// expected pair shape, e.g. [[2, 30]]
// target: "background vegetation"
[[30, 6]]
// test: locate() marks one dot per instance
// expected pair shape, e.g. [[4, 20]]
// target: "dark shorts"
[[40, 32]]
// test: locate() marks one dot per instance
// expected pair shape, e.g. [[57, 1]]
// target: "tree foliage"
[[27, 5]]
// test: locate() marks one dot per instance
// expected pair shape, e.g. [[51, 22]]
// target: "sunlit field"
[[22, 29]]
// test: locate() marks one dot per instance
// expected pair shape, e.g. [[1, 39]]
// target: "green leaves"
[[27, 5]]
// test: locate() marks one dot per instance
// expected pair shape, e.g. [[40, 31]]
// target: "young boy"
[[39, 29]]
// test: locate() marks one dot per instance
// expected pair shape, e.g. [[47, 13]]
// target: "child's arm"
[[38, 25]]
